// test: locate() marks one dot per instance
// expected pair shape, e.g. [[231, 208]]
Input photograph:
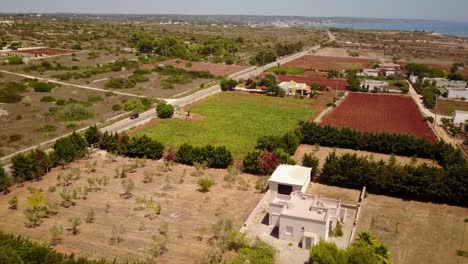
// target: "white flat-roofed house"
[[289, 178], [371, 72], [446, 83], [374, 85], [304, 219], [294, 88], [459, 118], [457, 93], [390, 65]]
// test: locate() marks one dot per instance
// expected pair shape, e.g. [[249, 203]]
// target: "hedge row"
[[422, 182], [386, 143], [213, 157]]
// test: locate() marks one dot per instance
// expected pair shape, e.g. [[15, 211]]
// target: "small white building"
[[371, 72], [446, 83], [457, 93], [459, 118], [289, 178], [294, 88], [304, 219], [374, 85]]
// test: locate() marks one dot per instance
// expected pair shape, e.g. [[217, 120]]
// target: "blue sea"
[[442, 27]]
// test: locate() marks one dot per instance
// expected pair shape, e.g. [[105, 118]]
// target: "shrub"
[[268, 162], [42, 87], [137, 105], [144, 147], [119, 83], [117, 107], [214, 157], [262, 184], [15, 60], [228, 84], [164, 110], [92, 135], [205, 184], [48, 99], [4, 181], [251, 162], [71, 148], [309, 160], [72, 112], [138, 78]]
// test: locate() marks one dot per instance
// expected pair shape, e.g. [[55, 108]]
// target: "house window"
[[289, 230]]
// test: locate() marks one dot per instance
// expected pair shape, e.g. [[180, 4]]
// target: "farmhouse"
[[457, 93], [459, 118], [374, 85], [300, 218], [446, 83], [293, 88], [371, 72]]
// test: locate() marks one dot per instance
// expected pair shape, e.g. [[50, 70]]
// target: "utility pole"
[[435, 111]]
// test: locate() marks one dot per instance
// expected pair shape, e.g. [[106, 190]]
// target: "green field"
[[234, 120]]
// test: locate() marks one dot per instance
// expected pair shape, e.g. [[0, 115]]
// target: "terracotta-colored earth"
[[216, 69], [326, 63], [380, 113]]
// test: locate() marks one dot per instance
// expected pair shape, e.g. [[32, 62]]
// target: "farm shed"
[[290, 178], [460, 117]]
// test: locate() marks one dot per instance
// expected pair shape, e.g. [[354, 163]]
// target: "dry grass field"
[[189, 213], [342, 52], [415, 232], [29, 118]]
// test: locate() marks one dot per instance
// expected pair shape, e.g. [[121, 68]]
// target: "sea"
[[441, 27]]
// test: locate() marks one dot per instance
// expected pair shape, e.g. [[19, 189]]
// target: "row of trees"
[[414, 181], [213, 157], [398, 144]]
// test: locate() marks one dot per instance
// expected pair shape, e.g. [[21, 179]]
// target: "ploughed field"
[[380, 113], [326, 63], [448, 107]]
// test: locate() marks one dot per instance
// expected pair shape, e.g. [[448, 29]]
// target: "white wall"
[[457, 94], [318, 227]]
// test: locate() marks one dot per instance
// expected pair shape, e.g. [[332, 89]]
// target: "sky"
[[450, 10]]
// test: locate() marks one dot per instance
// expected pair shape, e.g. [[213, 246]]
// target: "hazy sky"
[[425, 9]]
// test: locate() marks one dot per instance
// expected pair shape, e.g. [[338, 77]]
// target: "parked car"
[[134, 116]]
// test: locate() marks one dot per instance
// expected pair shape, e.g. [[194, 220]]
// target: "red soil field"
[[380, 113], [216, 69], [332, 83], [45, 51], [326, 63]]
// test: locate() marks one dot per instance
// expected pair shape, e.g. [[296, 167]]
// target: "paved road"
[[151, 114]]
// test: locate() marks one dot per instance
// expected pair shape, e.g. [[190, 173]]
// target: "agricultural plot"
[[326, 63], [165, 202], [416, 232], [380, 113], [40, 116], [216, 69], [236, 120], [448, 107], [332, 84]]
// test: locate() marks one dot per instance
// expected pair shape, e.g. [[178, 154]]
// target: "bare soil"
[[326, 63], [323, 152], [184, 208], [216, 69]]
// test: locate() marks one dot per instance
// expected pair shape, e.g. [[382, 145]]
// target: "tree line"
[[35, 164]]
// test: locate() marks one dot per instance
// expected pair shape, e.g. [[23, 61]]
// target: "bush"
[[138, 78], [15, 60], [42, 87], [117, 107], [4, 181], [144, 147], [205, 184], [92, 135], [15, 137], [72, 112], [164, 110], [137, 105], [214, 157], [11, 92], [119, 83], [251, 162], [228, 84], [48, 99], [312, 162], [71, 148]]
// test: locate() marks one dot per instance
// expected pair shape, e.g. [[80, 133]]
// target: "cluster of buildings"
[[455, 89], [383, 69]]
